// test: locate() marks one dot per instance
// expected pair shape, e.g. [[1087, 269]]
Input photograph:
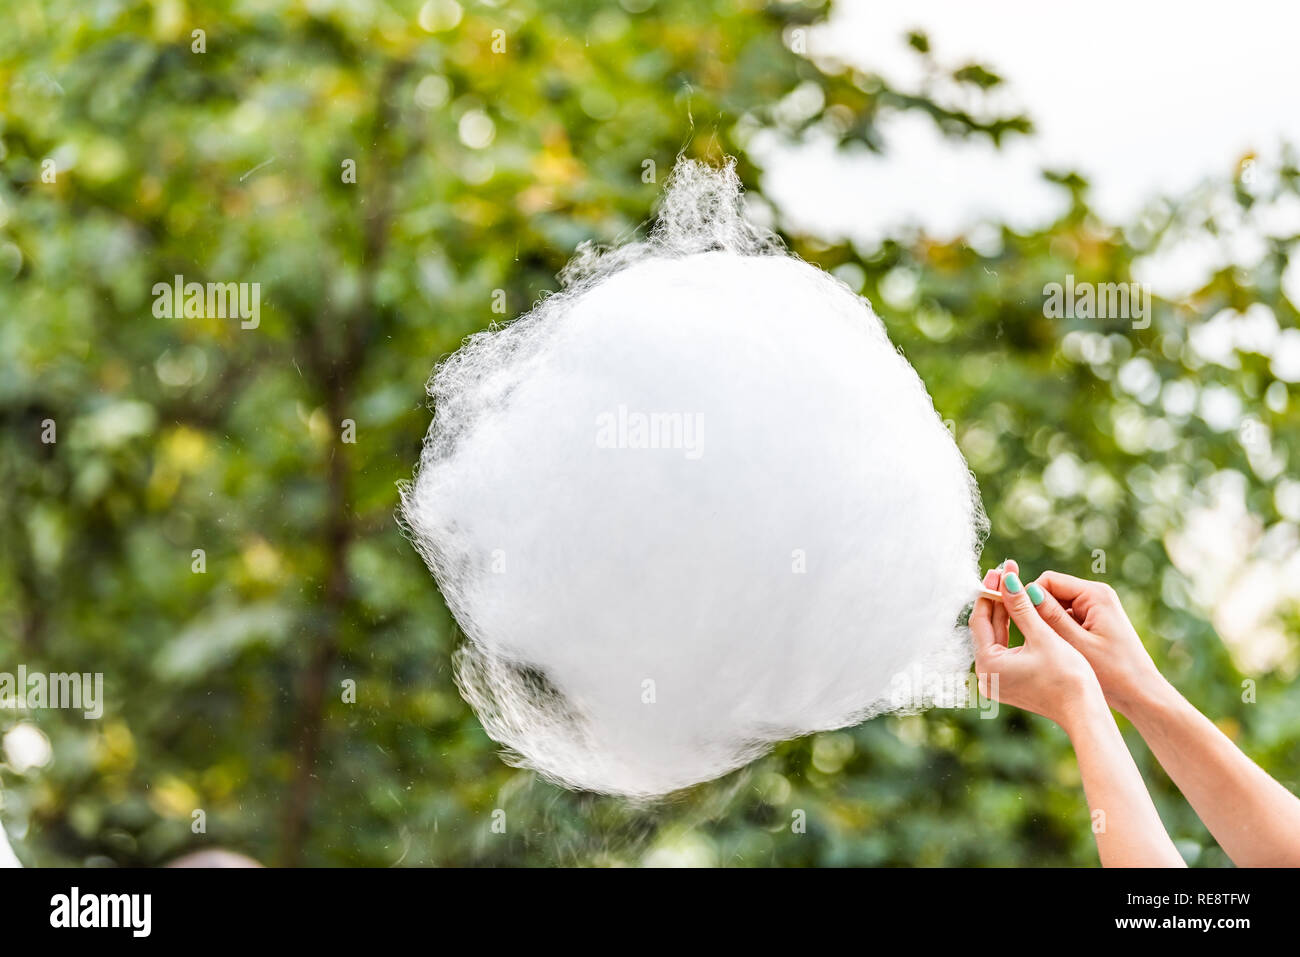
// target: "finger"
[[987, 677], [1051, 612], [1001, 620], [991, 578], [1065, 588], [981, 631], [1021, 609], [981, 618], [998, 614]]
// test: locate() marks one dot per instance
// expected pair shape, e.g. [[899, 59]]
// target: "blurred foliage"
[[479, 169]]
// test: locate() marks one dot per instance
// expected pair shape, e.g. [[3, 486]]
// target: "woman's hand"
[[1051, 677], [1089, 616], [1045, 675], [1253, 817]]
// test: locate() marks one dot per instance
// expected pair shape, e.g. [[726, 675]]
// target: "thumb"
[[1021, 609]]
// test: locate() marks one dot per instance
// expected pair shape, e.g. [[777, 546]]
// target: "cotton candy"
[[693, 504]]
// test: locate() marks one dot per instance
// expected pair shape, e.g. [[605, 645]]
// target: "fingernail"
[[1035, 594], [1013, 582]]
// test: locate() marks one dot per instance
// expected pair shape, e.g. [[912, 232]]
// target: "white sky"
[[1141, 97], [1144, 99]]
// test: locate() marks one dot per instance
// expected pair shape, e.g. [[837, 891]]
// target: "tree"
[[212, 525]]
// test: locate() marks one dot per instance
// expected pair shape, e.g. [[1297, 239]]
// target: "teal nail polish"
[[1013, 583], [1035, 594]]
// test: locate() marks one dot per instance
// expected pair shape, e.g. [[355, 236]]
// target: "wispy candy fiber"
[[694, 504]]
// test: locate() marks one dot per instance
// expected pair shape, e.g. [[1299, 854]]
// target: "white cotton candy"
[[692, 505]]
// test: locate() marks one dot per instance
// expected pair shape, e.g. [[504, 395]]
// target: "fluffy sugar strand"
[[693, 504]]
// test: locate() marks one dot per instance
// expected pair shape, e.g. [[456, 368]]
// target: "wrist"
[[1082, 708], [1147, 700]]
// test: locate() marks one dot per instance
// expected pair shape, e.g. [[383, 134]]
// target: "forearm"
[[1254, 818], [1128, 830]]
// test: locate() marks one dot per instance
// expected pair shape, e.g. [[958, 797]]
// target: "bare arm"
[[1049, 677], [1127, 827], [1255, 819]]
